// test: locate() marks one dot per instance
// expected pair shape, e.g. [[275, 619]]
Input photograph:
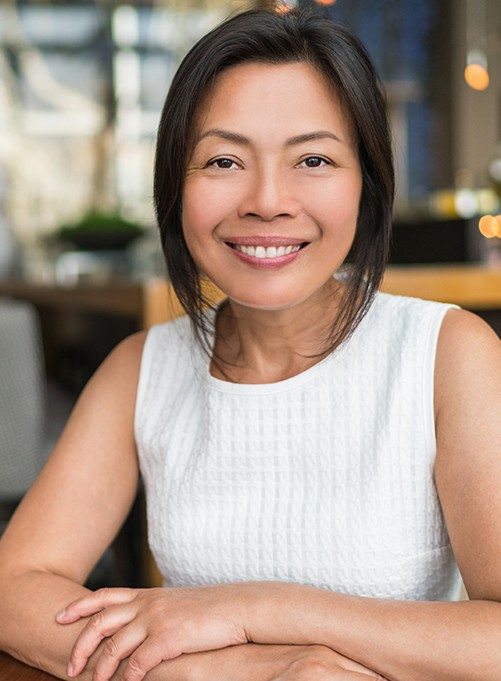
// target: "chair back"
[[22, 398]]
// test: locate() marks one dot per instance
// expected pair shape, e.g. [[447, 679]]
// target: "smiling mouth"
[[268, 251]]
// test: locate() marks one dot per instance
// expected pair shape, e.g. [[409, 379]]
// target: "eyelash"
[[321, 158], [225, 158]]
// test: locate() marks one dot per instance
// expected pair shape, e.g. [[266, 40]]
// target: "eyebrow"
[[241, 139]]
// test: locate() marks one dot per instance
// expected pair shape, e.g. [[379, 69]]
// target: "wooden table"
[[13, 670], [473, 287]]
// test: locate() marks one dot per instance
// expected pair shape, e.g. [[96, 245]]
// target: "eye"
[[315, 161], [221, 163]]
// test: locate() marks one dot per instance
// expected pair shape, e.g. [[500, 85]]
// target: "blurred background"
[[82, 84]]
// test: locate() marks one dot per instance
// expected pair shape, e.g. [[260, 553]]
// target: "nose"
[[268, 196]]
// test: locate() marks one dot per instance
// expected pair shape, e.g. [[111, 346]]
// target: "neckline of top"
[[293, 382]]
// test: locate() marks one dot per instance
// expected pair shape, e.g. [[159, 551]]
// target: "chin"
[[266, 302]]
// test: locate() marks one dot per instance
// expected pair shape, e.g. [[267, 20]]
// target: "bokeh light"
[[282, 8], [490, 226], [495, 169], [477, 76], [476, 72]]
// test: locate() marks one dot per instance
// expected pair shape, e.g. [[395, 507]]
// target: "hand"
[[151, 625], [324, 664], [258, 662]]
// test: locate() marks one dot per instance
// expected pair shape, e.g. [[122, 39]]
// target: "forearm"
[[402, 640], [28, 628]]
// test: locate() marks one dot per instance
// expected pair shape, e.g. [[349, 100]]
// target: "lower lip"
[[267, 263]]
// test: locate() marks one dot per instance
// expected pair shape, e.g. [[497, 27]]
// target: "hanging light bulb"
[[476, 72]]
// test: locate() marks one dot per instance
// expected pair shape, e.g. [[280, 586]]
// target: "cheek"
[[204, 207], [335, 204]]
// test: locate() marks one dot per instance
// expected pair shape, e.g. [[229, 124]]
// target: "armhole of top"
[[144, 372], [428, 391]]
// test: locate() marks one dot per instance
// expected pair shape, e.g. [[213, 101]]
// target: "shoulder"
[[113, 386], [172, 336], [130, 348], [121, 366], [468, 354], [462, 325]]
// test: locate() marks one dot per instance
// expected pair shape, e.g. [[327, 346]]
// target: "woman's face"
[[274, 164]]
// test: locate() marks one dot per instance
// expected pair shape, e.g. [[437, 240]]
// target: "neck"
[[268, 344]]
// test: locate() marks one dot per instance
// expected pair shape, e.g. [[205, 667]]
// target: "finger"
[[334, 675], [150, 654], [363, 672], [117, 648], [324, 671], [332, 658], [104, 623], [352, 666], [342, 675], [350, 676], [88, 605]]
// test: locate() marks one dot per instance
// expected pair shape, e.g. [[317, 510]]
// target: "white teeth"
[[270, 252]]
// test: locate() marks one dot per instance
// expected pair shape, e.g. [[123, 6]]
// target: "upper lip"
[[264, 240]]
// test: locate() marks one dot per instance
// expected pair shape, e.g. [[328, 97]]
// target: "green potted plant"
[[99, 231]]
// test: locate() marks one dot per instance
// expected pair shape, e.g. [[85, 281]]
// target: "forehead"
[[257, 96]]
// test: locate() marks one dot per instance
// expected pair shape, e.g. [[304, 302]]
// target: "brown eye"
[[314, 161], [222, 163]]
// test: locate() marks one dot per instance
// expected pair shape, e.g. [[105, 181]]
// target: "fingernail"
[[70, 670], [61, 615]]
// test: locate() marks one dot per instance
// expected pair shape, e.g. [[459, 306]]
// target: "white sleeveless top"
[[325, 478]]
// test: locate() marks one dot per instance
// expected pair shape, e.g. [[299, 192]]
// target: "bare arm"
[[253, 662], [70, 515]]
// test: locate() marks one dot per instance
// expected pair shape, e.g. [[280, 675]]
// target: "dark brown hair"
[[277, 38]]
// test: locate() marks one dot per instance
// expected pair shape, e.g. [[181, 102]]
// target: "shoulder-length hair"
[[279, 38]]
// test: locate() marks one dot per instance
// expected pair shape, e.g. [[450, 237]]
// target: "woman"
[[316, 477]]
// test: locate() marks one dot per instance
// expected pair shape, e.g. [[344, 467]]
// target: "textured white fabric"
[[325, 478]]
